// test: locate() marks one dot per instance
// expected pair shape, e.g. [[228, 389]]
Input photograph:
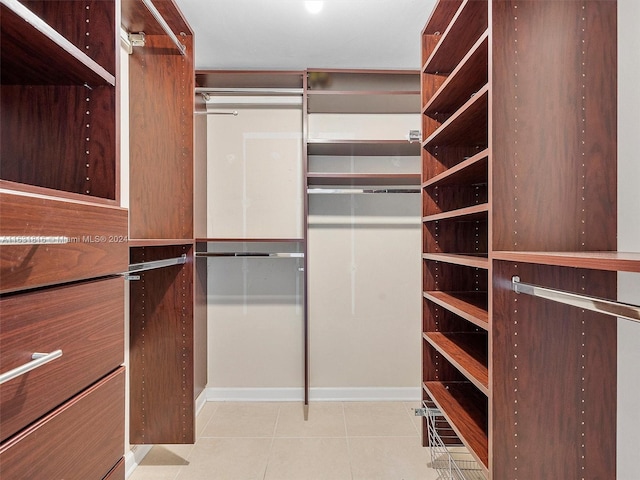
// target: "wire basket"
[[449, 457]]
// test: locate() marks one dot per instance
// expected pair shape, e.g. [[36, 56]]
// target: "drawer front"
[[84, 320], [97, 243], [83, 439]]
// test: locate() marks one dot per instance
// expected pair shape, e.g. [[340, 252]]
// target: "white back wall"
[[628, 235]]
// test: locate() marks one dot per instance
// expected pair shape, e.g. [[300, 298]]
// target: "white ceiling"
[[282, 34]]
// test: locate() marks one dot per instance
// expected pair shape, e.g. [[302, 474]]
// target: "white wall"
[[628, 234], [364, 265]]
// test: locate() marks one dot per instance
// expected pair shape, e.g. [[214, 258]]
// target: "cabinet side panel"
[[554, 377], [554, 125], [161, 140], [161, 349]]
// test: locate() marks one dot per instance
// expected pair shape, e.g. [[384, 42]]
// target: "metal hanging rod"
[[234, 113], [165, 26], [248, 91], [251, 254], [349, 191], [608, 307], [33, 239], [144, 266]]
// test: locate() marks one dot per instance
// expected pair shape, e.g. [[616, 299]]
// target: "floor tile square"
[[243, 420], [378, 419], [309, 459], [324, 420]]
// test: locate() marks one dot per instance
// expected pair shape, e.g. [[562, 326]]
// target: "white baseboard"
[[133, 458], [338, 394]]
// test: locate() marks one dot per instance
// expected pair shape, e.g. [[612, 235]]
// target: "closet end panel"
[[162, 348]]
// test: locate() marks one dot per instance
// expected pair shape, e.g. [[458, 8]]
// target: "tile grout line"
[[273, 439], [346, 435]]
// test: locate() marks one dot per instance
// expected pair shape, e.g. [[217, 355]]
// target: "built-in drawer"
[[83, 439], [84, 320], [94, 236]]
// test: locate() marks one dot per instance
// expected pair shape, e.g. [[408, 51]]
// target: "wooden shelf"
[[467, 127], [473, 170], [465, 351], [362, 147], [459, 259], [380, 101], [363, 179], [475, 212], [469, 23], [609, 261], [468, 77], [472, 306], [464, 407], [251, 240], [159, 242], [33, 53]]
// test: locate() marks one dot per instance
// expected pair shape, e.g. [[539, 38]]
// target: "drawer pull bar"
[[39, 359], [33, 240]]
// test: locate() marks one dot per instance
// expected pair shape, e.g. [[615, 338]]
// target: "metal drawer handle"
[[39, 359]]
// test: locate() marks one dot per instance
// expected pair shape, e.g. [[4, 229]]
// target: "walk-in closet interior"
[[361, 240]]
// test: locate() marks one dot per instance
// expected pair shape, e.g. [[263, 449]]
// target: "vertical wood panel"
[[162, 349], [554, 377], [161, 140], [546, 148]]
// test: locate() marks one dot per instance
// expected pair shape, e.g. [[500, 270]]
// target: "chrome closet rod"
[[361, 190], [249, 91], [608, 307], [165, 26], [152, 265], [251, 254]]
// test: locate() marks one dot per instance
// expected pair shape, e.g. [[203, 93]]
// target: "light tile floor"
[[272, 441]]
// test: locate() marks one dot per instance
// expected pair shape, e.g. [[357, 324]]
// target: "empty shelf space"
[[326, 101], [465, 351], [610, 261], [469, 23], [472, 170], [466, 260], [467, 127], [363, 179], [476, 212], [362, 147], [472, 306], [33, 53], [467, 78], [465, 408]]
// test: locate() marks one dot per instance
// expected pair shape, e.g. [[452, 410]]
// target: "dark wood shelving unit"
[[471, 171], [519, 167], [168, 320], [64, 240], [463, 214], [469, 22], [461, 404], [466, 79], [471, 306], [467, 260], [468, 126], [465, 351], [48, 58], [362, 91]]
